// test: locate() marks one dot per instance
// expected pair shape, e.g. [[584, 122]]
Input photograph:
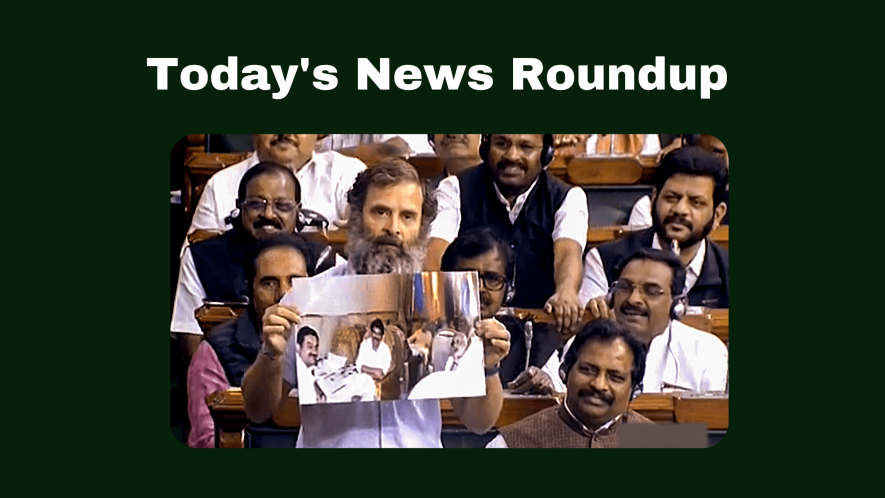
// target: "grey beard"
[[368, 258]]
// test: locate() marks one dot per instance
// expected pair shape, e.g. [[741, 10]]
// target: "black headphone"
[[511, 285], [678, 306], [637, 389], [547, 152]]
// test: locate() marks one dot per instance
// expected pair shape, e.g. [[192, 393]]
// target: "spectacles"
[[493, 281], [281, 206], [649, 290]]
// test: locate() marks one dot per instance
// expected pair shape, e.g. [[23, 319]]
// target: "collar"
[[307, 164], [518, 204], [572, 421], [695, 266]]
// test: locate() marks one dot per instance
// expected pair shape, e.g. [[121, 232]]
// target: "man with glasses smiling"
[[215, 269], [646, 298]]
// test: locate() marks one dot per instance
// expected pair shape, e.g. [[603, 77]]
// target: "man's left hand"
[[566, 308], [495, 340]]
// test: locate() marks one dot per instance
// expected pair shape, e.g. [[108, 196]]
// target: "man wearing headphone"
[[601, 372], [479, 250], [648, 298], [542, 219]]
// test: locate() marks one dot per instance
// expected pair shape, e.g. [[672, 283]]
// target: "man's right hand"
[[276, 327], [598, 308]]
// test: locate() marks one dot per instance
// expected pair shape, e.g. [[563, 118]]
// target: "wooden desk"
[[230, 418]]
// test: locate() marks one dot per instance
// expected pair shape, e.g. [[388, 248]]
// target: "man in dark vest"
[[230, 349], [214, 269], [542, 219], [687, 204]]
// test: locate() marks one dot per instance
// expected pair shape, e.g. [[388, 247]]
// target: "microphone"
[[529, 333], [674, 246]]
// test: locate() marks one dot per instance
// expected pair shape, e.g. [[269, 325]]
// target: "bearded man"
[[390, 213], [688, 204]]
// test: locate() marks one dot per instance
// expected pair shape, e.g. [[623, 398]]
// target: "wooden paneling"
[[230, 418]]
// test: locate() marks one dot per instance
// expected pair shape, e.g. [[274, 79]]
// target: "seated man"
[[222, 359], [602, 372], [541, 218], [479, 250], [648, 298], [325, 176], [457, 153], [640, 216], [215, 269], [390, 213], [689, 188], [374, 146], [374, 356]]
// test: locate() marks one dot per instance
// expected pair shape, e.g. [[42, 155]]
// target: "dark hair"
[[696, 162], [292, 240], [304, 332], [390, 172], [476, 242], [677, 284], [607, 331], [377, 324], [548, 140], [266, 167]]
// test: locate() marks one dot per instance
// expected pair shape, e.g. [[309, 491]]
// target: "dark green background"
[[126, 129]]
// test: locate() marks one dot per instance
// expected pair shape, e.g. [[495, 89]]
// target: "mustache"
[[455, 139], [283, 138], [505, 163], [629, 307], [388, 240], [673, 218], [264, 222], [589, 391]]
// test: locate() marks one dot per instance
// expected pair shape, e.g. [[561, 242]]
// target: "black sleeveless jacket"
[[530, 237]]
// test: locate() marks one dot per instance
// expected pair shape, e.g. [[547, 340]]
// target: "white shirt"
[[686, 357], [595, 283], [570, 220], [651, 147], [640, 215], [372, 358], [189, 296], [466, 381], [418, 143], [325, 181]]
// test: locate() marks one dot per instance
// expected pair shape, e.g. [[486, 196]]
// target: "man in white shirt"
[[374, 356], [648, 298], [542, 219], [688, 201], [389, 217], [325, 178]]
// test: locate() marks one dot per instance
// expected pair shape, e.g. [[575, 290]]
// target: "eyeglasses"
[[493, 281], [281, 206], [649, 290]]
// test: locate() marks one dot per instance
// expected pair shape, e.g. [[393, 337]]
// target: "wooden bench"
[[231, 421]]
